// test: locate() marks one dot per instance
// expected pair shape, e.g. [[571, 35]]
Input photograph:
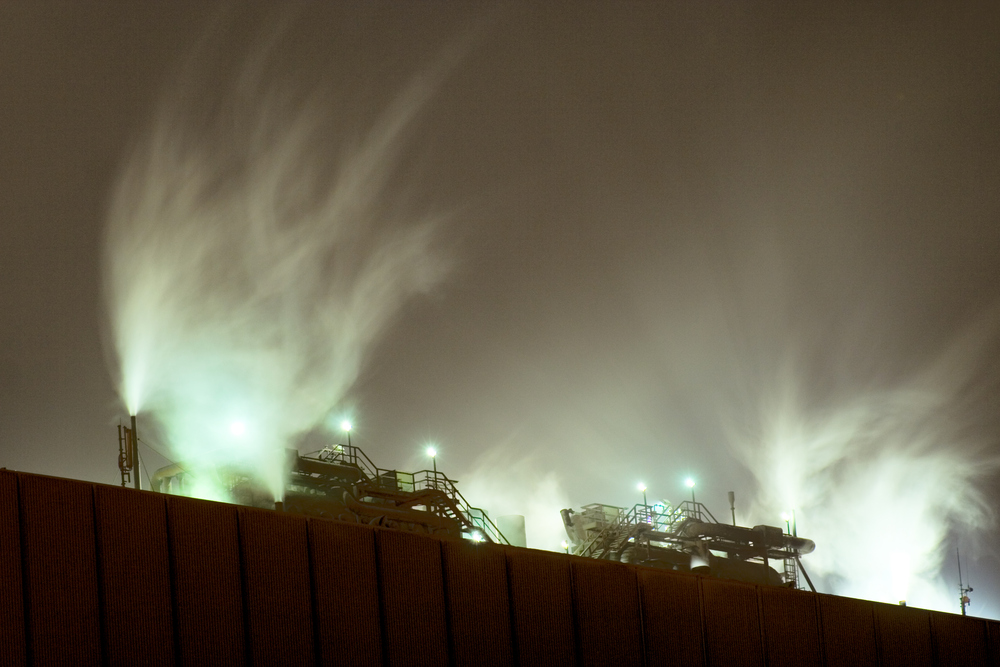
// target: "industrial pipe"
[[695, 529]]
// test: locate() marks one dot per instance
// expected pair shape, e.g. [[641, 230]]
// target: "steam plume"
[[247, 271], [880, 480], [516, 483]]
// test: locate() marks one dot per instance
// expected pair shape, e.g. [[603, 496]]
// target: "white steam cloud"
[[247, 271], [880, 481], [513, 483]]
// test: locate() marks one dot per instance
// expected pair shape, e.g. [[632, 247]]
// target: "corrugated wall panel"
[[275, 556], [135, 576], [904, 635], [398, 598], [608, 620], [478, 604], [412, 593], [791, 627], [13, 648], [732, 623], [671, 616], [959, 640], [993, 645], [848, 632], [205, 558], [345, 594], [57, 516], [542, 599]]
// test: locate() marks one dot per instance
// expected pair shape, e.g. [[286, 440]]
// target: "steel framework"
[[686, 537]]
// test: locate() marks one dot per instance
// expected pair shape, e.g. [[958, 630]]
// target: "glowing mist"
[[880, 481], [247, 272]]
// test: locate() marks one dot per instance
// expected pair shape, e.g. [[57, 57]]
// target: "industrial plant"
[[360, 565], [341, 482]]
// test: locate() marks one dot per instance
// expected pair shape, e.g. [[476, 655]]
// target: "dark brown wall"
[[99, 575]]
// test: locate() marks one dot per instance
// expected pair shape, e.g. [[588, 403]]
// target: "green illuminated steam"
[[247, 271]]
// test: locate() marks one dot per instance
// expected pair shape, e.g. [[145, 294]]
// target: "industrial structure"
[[341, 482], [92, 574], [686, 538], [338, 482]]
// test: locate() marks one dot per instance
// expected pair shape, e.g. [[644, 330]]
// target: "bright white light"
[[431, 452], [346, 426], [565, 545], [237, 428], [476, 537], [642, 487], [785, 516], [689, 482]]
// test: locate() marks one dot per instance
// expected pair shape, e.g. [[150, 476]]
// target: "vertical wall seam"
[[704, 631], [761, 626], [25, 575], [102, 610], [819, 630], [450, 639], [383, 625], [174, 611], [511, 612], [934, 643], [642, 617], [313, 602], [877, 631], [577, 638], [244, 590]]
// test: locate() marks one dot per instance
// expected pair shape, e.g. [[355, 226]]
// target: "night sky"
[[653, 215]]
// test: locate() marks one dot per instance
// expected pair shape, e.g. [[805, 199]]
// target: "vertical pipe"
[[135, 455], [732, 505], [961, 587], [121, 454]]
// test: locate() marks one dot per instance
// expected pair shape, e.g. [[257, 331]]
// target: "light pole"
[[642, 487], [346, 427], [432, 452], [788, 522], [690, 484]]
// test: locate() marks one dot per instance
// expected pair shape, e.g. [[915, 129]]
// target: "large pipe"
[[135, 455], [748, 535]]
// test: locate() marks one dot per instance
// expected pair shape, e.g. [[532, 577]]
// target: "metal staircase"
[[427, 498]]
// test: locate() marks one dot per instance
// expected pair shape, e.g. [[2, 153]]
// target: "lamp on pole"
[[346, 427], [432, 452], [690, 484], [788, 522], [642, 487]]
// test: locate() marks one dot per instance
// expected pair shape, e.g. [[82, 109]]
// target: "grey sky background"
[[652, 208]]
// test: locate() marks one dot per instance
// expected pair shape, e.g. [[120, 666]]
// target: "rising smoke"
[[884, 478], [254, 252]]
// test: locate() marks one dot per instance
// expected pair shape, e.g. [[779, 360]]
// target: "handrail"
[[354, 457]]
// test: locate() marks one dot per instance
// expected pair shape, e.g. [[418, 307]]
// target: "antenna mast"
[[963, 591]]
